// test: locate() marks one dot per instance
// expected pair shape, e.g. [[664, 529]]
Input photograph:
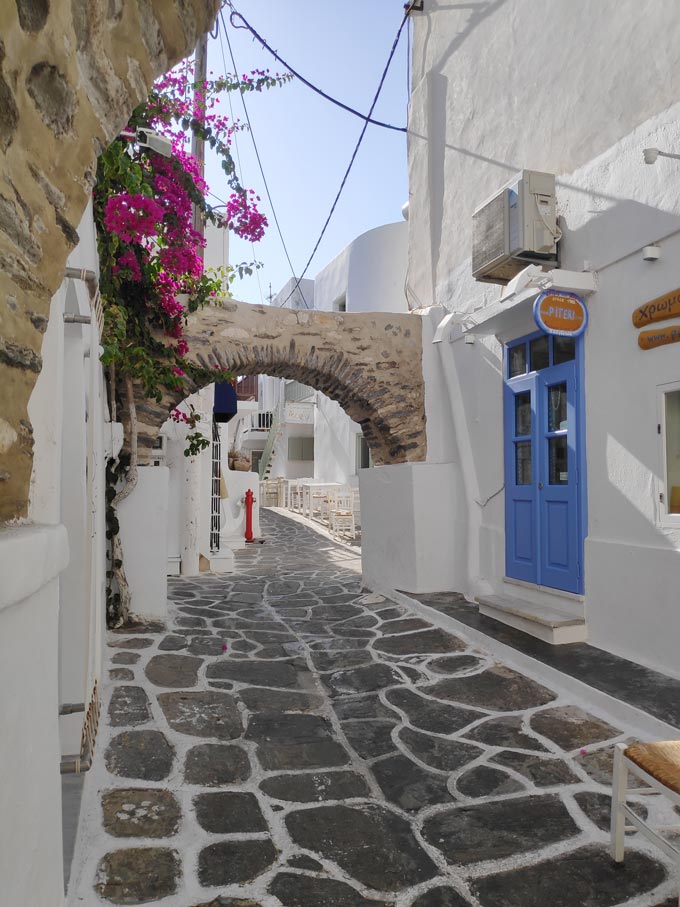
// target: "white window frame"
[[663, 497]]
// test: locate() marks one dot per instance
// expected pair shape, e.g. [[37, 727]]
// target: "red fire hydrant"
[[249, 499]]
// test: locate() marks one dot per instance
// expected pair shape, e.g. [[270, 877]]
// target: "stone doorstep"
[[542, 621]]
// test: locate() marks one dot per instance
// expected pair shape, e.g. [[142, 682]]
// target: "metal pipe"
[[70, 708]]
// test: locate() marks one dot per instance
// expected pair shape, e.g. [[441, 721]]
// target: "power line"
[[234, 15], [238, 155], [259, 161], [354, 154]]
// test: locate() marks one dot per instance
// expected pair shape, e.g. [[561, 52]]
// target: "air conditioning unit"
[[517, 226]]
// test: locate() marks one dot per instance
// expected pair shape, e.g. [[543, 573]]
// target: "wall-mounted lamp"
[[651, 253], [651, 154]]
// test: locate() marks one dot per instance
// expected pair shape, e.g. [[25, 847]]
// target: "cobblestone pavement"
[[291, 741]]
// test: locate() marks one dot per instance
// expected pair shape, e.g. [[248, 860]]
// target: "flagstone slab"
[[598, 806], [364, 679], [261, 700], [599, 765], [455, 664], [134, 642], [138, 875], [337, 644], [422, 642], [129, 706], [207, 645], [234, 862], [409, 786], [505, 732], [587, 877], [571, 728], [404, 625], [296, 890], [442, 897], [485, 781], [202, 714], [365, 706], [499, 829], [125, 658], [294, 741], [499, 689], [229, 812], [370, 843], [174, 671], [190, 623], [429, 714], [121, 674], [173, 643], [370, 738], [143, 812], [261, 674], [345, 632], [146, 755], [216, 764], [315, 787], [196, 611], [335, 612], [445, 755], [334, 661], [541, 771]]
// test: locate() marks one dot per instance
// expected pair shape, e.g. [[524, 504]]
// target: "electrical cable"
[[259, 161], [354, 153], [247, 26], [238, 156]]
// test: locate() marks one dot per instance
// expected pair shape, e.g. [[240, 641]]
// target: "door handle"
[[540, 485]]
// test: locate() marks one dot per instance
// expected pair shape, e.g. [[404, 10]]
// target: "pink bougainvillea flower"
[[243, 217], [132, 217], [178, 371]]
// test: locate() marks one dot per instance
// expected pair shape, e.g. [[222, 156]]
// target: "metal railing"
[[271, 441]]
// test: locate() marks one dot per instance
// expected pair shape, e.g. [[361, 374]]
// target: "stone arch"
[[71, 72], [370, 363]]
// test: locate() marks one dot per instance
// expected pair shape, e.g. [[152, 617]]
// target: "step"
[[543, 621]]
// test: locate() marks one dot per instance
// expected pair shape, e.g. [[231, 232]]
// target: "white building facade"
[[557, 487]]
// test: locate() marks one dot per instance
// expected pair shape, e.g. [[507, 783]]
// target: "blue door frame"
[[545, 499]]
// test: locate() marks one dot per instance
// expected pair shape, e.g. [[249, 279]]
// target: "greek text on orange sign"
[[660, 309], [561, 313]]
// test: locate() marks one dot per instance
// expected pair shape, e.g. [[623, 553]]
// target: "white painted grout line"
[[640, 723]]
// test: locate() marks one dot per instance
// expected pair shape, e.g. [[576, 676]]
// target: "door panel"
[[558, 497], [521, 536], [542, 508]]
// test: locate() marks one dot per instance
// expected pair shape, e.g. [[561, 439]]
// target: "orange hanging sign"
[[660, 309], [648, 340], [561, 313]]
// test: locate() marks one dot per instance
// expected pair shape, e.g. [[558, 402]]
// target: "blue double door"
[[544, 472]]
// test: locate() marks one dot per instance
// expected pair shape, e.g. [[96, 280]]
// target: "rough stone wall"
[[370, 363], [71, 71]]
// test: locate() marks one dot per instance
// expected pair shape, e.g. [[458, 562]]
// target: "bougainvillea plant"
[[152, 274]]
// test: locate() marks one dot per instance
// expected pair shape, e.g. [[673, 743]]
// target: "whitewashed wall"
[[584, 117], [52, 610]]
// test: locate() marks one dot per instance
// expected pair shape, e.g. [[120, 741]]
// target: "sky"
[[305, 142]]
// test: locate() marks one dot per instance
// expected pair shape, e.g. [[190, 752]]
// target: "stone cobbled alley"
[[290, 739]]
